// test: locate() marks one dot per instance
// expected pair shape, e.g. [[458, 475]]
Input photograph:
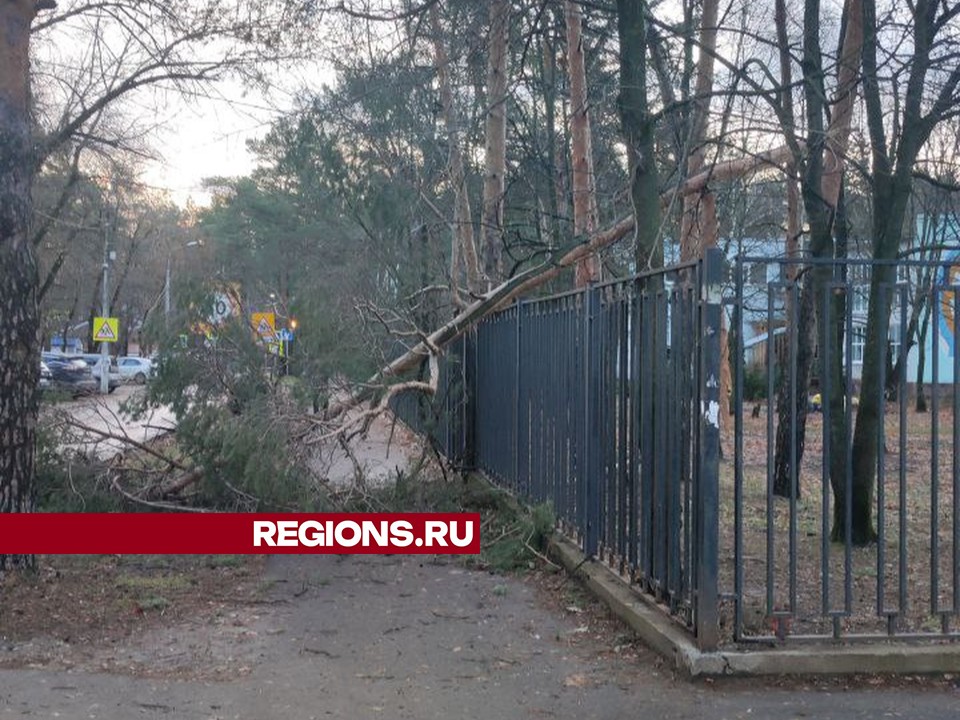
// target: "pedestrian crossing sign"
[[106, 329], [264, 324]]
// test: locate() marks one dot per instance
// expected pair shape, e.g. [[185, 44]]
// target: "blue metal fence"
[[606, 403], [793, 567], [603, 403]]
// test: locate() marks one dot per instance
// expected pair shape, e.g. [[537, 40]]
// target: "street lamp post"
[[166, 296]]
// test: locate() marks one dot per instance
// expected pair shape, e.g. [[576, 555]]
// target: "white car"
[[135, 369], [46, 377]]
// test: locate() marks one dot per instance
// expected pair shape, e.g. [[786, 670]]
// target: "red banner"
[[239, 533]]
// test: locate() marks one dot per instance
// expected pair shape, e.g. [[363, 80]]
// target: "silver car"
[[134, 369]]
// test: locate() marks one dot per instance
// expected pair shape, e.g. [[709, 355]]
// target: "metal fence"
[[446, 420], [591, 401], [791, 568], [606, 403]]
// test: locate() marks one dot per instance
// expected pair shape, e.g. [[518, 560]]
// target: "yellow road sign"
[[106, 329], [264, 324]]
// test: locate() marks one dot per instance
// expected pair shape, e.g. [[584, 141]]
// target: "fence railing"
[[840, 513], [607, 403], [591, 401]]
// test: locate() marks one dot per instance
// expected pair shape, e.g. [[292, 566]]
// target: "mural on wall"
[[948, 281], [940, 345]]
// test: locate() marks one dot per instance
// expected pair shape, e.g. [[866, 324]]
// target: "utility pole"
[[166, 296], [168, 281], [105, 312]]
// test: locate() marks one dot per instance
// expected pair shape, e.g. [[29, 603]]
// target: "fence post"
[[707, 625], [591, 446], [518, 403], [469, 400]]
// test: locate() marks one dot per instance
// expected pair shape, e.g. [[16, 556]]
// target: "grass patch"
[[156, 603], [151, 584], [224, 561]]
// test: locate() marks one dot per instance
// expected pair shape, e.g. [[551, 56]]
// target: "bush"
[[755, 383], [513, 533]]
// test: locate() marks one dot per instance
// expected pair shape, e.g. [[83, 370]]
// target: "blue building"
[[940, 310], [73, 346]]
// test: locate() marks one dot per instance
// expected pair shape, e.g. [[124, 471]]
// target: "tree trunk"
[[821, 184], [638, 130], [697, 231], [495, 167], [19, 278], [556, 190], [792, 240], [921, 406], [835, 400], [892, 165], [891, 210], [557, 127], [585, 216], [463, 244]]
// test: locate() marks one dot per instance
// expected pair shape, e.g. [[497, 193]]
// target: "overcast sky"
[[202, 137]]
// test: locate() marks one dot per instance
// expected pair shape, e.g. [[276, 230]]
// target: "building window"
[[893, 338], [758, 274], [858, 339], [861, 299]]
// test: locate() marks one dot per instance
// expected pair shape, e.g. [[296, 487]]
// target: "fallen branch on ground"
[[123, 438], [115, 484]]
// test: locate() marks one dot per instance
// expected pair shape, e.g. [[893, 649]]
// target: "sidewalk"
[[399, 637]]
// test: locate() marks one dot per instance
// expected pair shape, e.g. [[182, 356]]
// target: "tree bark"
[[638, 134], [19, 278], [696, 231], [792, 411], [463, 244], [892, 167], [495, 166], [558, 160], [585, 215], [921, 406], [821, 184]]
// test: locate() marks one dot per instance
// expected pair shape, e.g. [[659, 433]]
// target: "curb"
[[664, 636]]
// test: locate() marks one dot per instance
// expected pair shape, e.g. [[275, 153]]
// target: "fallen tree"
[[433, 344]]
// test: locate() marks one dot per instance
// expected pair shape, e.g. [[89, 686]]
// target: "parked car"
[[70, 374], [135, 369], [46, 377], [95, 362]]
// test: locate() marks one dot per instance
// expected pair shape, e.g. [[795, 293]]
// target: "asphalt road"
[[104, 413]]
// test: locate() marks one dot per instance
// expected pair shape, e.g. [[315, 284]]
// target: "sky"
[[202, 137], [191, 137], [206, 136]]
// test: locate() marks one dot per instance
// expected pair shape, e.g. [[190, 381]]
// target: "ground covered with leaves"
[[75, 610]]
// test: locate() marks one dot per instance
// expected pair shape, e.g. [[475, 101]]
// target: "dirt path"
[[394, 637]]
